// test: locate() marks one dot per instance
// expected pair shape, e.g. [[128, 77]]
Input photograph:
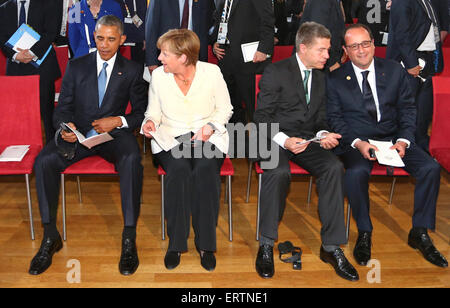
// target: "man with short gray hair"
[[293, 95]]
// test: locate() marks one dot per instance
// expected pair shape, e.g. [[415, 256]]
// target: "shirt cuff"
[[280, 139], [14, 58], [35, 58], [319, 134], [408, 143], [124, 122], [355, 141]]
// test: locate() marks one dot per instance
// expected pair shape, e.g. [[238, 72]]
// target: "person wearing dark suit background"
[[370, 98], [41, 15], [164, 15], [330, 14], [443, 15], [247, 21], [293, 95], [80, 32], [414, 33], [95, 92], [134, 12], [379, 27]]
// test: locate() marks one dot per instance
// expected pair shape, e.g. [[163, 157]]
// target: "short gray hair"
[[111, 21], [310, 31]]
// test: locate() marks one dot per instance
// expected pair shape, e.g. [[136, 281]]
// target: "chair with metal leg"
[[226, 170], [20, 124]]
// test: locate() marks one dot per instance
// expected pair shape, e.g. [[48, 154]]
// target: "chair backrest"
[[380, 52], [2, 64], [441, 113], [126, 52], [211, 57], [281, 52], [62, 54], [446, 55], [20, 117], [257, 79]]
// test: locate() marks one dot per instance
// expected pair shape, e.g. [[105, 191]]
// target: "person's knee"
[[357, 173]]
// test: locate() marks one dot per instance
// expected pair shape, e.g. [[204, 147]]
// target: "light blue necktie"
[[102, 84], [22, 14], [101, 93]]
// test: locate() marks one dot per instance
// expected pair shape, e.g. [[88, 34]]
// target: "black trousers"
[[191, 187], [123, 151], [329, 173], [420, 165]]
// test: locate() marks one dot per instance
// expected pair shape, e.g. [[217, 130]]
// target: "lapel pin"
[[349, 78], [119, 73]]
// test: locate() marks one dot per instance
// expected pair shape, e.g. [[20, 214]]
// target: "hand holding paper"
[[387, 153]]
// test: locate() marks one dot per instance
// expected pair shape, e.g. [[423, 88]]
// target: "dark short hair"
[[181, 42], [357, 26], [111, 21], [309, 31]]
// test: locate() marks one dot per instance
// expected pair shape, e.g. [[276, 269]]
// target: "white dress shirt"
[[176, 114], [371, 78], [109, 69], [281, 137]]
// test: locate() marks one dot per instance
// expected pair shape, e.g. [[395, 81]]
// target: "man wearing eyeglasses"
[[370, 98]]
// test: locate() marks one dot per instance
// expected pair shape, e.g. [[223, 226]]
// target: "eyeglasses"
[[365, 44]]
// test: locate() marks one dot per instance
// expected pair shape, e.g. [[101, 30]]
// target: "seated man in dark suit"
[[371, 98], [293, 95], [94, 95]]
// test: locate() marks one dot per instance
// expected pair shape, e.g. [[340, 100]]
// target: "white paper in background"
[[385, 155], [249, 50], [26, 41], [14, 153], [147, 76]]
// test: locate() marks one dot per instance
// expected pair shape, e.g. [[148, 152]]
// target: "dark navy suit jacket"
[[408, 26], [164, 15], [347, 114], [78, 101]]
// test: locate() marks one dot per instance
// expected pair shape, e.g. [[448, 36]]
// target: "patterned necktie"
[[22, 15], [369, 101], [102, 84], [305, 85], [185, 19]]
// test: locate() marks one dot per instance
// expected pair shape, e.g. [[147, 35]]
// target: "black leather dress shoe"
[[129, 260], [362, 251], [423, 243], [264, 262], [43, 259], [207, 259], [172, 259], [340, 263]]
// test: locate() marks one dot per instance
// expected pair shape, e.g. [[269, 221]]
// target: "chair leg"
[[230, 210], [394, 179], [249, 179], [310, 189], [258, 206], [143, 142], [225, 198], [63, 197], [347, 227], [79, 189], [163, 228], [30, 209]]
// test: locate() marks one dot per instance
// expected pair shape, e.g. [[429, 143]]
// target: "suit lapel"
[[175, 8], [352, 85], [114, 81], [233, 7], [380, 78], [195, 13], [314, 100], [297, 81]]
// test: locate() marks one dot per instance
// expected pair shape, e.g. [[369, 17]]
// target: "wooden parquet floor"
[[95, 227]]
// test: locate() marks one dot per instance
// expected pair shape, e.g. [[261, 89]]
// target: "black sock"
[[129, 233], [419, 230], [50, 230]]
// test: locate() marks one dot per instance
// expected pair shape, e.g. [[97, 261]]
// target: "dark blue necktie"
[[369, 101], [22, 15]]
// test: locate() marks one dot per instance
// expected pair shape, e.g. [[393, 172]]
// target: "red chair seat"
[[211, 56], [2, 64], [226, 169], [382, 170], [295, 169], [91, 165], [23, 167], [282, 52]]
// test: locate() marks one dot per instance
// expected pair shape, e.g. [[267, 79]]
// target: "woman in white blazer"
[[188, 102]]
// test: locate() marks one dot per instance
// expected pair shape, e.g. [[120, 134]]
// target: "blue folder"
[[24, 28]]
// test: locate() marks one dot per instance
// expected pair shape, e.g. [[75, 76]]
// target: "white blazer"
[[207, 101]]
